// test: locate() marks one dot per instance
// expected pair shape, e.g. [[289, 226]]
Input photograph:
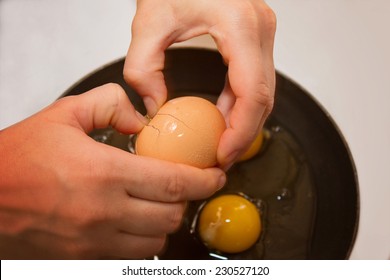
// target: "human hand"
[[244, 34], [64, 195]]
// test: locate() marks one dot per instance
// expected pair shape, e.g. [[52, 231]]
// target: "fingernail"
[[151, 106], [222, 181], [227, 167], [230, 159], [142, 118]]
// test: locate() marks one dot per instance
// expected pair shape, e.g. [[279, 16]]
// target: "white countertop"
[[338, 50]]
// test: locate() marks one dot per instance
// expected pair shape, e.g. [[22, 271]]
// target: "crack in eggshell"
[[176, 118], [152, 126], [172, 116], [185, 130]]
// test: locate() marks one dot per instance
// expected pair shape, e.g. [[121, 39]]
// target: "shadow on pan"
[[305, 178]]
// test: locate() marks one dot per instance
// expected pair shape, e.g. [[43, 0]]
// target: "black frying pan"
[[304, 179]]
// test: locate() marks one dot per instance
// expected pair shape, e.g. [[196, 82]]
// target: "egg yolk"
[[254, 148], [229, 223]]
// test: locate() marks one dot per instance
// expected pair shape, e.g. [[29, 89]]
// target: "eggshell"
[[185, 130]]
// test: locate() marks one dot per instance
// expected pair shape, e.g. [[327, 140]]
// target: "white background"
[[336, 49], [142, 270]]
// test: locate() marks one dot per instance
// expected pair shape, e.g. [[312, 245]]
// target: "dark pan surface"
[[303, 181]]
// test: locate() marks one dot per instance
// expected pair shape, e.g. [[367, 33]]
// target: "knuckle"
[[254, 15], [85, 219], [66, 102], [117, 92], [116, 88], [113, 86], [244, 13], [175, 217], [174, 187], [133, 76], [269, 18], [83, 222], [264, 95]]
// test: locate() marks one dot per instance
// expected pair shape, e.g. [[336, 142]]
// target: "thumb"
[[104, 106]]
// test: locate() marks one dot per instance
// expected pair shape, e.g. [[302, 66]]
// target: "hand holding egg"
[[187, 130], [245, 43], [89, 200]]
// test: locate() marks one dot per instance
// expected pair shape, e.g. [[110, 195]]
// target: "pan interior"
[[304, 179]]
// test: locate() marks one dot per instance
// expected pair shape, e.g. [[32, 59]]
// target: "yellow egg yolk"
[[229, 223], [254, 148]]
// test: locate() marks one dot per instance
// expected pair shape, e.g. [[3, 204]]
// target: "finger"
[[104, 106], [129, 246], [151, 36], [251, 79], [252, 97], [149, 218], [244, 120], [226, 101], [143, 72], [159, 180], [177, 182], [145, 61]]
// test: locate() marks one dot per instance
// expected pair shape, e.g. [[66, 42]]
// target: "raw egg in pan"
[[229, 223]]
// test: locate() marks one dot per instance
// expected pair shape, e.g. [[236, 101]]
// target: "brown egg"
[[185, 130]]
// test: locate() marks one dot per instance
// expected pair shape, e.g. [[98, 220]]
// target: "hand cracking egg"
[[185, 130], [229, 223]]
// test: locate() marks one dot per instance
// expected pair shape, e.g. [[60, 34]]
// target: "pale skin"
[[72, 197], [243, 31], [63, 195]]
